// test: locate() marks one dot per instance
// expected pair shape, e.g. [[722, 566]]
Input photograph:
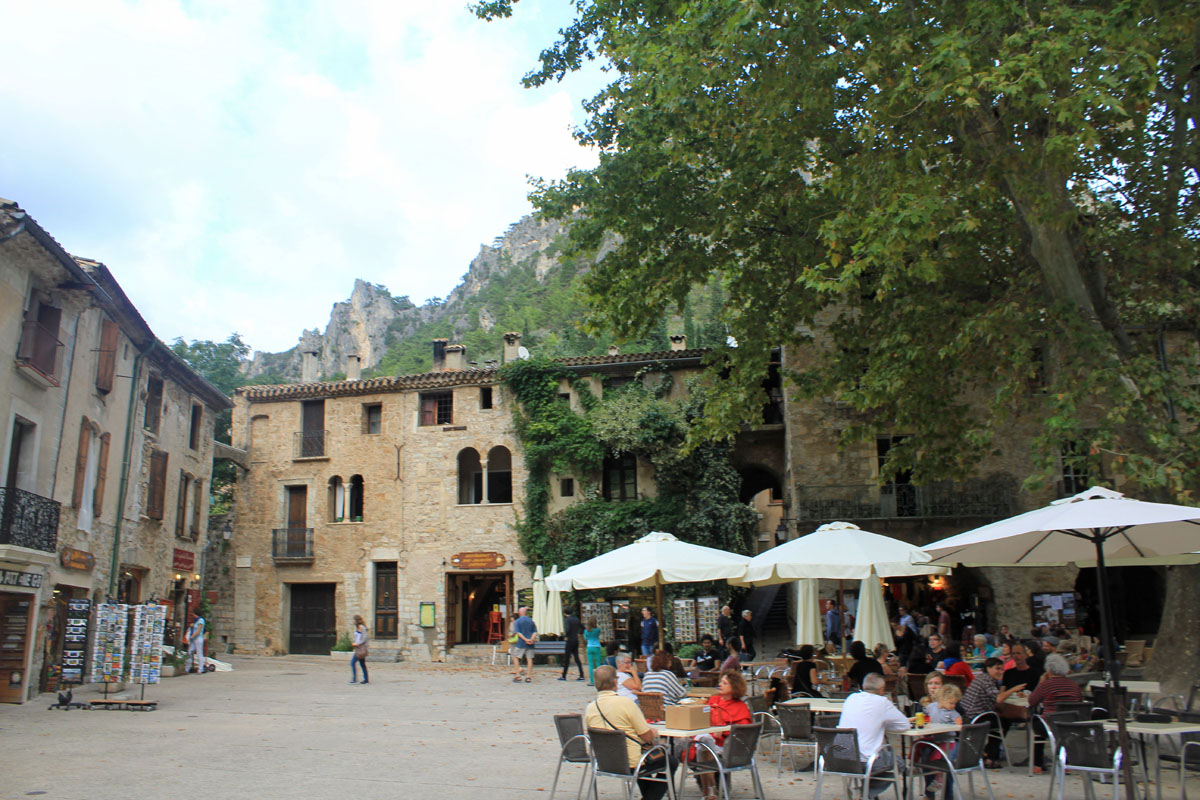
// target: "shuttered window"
[[81, 461], [437, 409], [198, 490], [101, 475], [156, 491], [106, 366], [181, 503]]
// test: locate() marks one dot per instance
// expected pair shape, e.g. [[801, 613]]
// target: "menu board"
[[108, 642], [1054, 608], [602, 613], [708, 611], [74, 654], [145, 643], [685, 620]]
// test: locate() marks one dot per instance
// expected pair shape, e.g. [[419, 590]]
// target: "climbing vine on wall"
[[697, 490]]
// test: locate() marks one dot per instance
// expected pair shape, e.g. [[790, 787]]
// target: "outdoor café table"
[[682, 734], [1143, 688], [702, 692], [914, 733], [1153, 730], [822, 704]]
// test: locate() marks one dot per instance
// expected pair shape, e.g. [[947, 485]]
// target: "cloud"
[[237, 165]]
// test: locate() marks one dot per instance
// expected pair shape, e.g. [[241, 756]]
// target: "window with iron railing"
[[292, 543]]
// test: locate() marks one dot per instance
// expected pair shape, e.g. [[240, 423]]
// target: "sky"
[[238, 164]]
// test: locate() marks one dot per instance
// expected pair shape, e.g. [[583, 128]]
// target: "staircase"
[[772, 619]]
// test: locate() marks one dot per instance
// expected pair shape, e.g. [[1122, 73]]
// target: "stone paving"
[[293, 728]]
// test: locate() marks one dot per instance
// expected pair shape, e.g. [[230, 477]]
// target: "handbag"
[[362, 651]]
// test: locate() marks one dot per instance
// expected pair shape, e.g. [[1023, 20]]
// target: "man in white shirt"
[[873, 715]]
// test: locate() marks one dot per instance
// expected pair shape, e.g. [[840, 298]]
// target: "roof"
[[15, 220], [451, 378]]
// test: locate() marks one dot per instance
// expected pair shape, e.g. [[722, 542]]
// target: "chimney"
[[512, 346], [679, 341], [353, 367], [310, 361], [439, 355], [613, 350], [456, 357]]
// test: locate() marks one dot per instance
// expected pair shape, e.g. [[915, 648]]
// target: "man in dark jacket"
[[571, 630], [746, 632], [649, 632], [726, 627]]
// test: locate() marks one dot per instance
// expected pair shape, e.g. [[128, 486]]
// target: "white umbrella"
[[653, 560], [808, 613], [554, 609], [871, 626], [538, 612]]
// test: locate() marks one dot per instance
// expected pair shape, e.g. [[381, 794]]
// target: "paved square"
[[293, 728]]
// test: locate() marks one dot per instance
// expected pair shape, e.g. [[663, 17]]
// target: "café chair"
[[610, 759], [758, 703], [772, 732], [968, 759], [1188, 757], [1086, 748], [995, 731], [651, 704], [1083, 708], [1109, 698], [738, 756], [1047, 724], [574, 748], [796, 731], [1178, 702], [838, 754]]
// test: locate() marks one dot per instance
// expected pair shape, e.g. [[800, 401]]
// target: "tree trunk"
[[1177, 647]]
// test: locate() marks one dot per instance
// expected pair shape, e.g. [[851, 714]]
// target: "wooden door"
[[313, 623], [297, 510], [453, 590], [14, 644], [386, 600]]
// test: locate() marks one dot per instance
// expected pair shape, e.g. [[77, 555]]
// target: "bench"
[[540, 648], [125, 705]]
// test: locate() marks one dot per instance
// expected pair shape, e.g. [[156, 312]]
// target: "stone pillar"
[[679, 341], [512, 346], [456, 357], [353, 367]]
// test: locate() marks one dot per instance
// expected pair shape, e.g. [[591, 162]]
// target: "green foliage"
[[985, 211], [342, 645]]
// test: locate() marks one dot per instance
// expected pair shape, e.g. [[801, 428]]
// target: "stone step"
[[472, 654]]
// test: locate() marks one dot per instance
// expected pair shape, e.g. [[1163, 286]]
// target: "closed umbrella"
[[554, 609], [808, 613], [871, 627], [654, 560], [538, 613]]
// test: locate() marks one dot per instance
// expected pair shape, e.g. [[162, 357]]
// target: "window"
[[485, 397], [898, 496], [615, 384], [337, 499], [470, 477], [181, 505], [565, 397], [566, 487], [1076, 471], [356, 498], [21, 472], [372, 420], [106, 365], [437, 409], [198, 501], [156, 489], [312, 429], [620, 477], [194, 429], [499, 475], [39, 340], [87, 468], [154, 396]]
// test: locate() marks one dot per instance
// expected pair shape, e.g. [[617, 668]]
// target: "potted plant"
[[342, 650], [358, 519]]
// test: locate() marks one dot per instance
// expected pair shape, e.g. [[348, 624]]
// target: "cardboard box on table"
[[687, 718]]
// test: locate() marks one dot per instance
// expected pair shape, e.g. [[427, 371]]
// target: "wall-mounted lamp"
[[196, 576], [781, 531], [227, 531], [178, 577]]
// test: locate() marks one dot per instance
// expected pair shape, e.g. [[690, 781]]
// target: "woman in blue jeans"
[[360, 650]]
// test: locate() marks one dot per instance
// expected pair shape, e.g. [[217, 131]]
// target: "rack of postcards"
[[708, 611], [145, 643], [602, 613], [74, 654], [684, 620], [109, 636]]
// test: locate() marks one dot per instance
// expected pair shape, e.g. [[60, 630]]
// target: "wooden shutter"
[[81, 458], [157, 490], [428, 409], [198, 491], [181, 505], [101, 475], [106, 368]]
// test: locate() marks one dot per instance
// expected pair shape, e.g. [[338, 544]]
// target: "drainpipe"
[[134, 382]]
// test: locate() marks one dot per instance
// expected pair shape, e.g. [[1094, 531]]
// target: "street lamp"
[[227, 531]]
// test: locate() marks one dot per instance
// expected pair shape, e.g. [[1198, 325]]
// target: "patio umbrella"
[[1097, 524], [808, 613], [871, 626], [538, 612], [554, 609], [654, 560]]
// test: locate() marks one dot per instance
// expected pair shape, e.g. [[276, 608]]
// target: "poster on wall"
[[684, 620], [1052, 609], [74, 654], [148, 624], [109, 636]]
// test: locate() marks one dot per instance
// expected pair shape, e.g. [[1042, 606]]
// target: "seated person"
[[610, 710], [726, 707], [659, 678], [732, 664], [1053, 688], [628, 681], [610, 653], [708, 658], [804, 674], [873, 715], [986, 694], [944, 710], [863, 665], [952, 663], [676, 661]]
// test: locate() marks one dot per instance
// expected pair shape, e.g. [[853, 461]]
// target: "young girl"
[[944, 709]]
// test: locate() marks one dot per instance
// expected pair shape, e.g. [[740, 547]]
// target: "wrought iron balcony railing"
[[28, 520], [986, 498], [308, 444], [292, 544]]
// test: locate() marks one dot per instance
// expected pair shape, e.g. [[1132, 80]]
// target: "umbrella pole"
[[658, 598], [1114, 671], [841, 617]]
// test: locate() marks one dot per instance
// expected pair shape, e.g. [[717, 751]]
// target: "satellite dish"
[[522, 353]]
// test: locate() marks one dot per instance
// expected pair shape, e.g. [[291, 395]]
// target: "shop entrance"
[[313, 626], [15, 622], [471, 597]]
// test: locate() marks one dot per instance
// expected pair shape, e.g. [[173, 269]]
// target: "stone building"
[[107, 452]]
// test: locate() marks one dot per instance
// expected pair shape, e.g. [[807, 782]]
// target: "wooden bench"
[[550, 649]]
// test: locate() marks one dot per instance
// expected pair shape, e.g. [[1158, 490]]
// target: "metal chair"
[[574, 748], [796, 723], [838, 754], [1188, 757], [772, 730], [1084, 708], [1178, 702], [968, 758], [737, 756], [1086, 748], [995, 731], [610, 759]]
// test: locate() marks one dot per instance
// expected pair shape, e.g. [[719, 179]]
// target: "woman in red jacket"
[[725, 708]]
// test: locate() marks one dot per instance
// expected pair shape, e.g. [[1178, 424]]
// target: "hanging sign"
[[184, 559], [480, 560], [11, 577], [76, 559]]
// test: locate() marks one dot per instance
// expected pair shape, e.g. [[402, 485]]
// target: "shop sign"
[[477, 560], [29, 580], [76, 559], [184, 560]]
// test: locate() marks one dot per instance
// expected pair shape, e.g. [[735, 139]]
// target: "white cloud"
[[238, 165]]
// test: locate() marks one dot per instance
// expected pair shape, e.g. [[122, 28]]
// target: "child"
[[943, 709]]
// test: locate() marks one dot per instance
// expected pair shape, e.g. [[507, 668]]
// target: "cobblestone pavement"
[[293, 728]]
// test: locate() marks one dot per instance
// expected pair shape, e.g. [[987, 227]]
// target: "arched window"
[[470, 477], [499, 475], [337, 499], [356, 498]]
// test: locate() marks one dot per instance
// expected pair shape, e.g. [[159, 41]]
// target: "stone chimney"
[[353, 367], [613, 350], [456, 357], [512, 346], [439, 355], [310, 357], [679, 341]]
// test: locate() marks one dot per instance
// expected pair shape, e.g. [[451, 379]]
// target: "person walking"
[[726, 626], [595, 650], [746, 634], [571, 630], [359, 640], [833, 626], [526, 633], [649, 632], [194, 638]]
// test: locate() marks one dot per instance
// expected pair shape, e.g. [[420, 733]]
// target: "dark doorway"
[[386, 607], [1136, 596], [313, 623], [471, 600]]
